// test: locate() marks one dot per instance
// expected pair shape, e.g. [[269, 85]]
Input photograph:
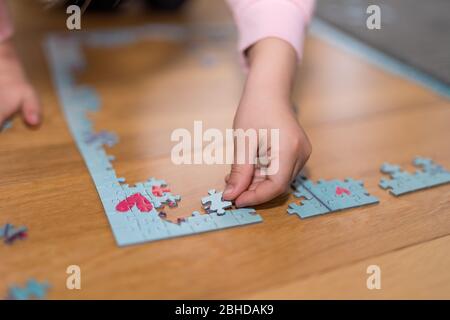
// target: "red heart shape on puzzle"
[[138, 200], [159, 191], [340, 190]]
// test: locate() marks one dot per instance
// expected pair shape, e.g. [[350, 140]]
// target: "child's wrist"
[[271, 73]]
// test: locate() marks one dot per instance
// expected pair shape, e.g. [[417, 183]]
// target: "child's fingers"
[[31, 109], [240, 178], [268, 189], [264, 191]]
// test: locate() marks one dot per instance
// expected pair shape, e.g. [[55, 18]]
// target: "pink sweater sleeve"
[[6, 29], [283, 19]]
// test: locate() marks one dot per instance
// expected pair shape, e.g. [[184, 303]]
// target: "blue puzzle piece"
[[328, 196], [402, 182], [245, 215], [215, 203], [32, 290], [9, 233]]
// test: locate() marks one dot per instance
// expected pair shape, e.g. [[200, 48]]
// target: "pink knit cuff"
[[271, 18]]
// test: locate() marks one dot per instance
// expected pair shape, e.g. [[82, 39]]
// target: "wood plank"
[[405, 274]]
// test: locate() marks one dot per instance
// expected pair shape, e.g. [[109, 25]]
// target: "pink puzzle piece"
[[138, 200], [340, 191], [159, 191]]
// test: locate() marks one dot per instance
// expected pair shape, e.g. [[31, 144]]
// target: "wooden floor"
[[356, 115]]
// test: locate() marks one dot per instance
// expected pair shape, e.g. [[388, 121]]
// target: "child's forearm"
[[272, 67]]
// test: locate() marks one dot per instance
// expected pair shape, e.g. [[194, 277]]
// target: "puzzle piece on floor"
[[328, 196], [215, 203], [32, 290], [9, 233], [401, 182]]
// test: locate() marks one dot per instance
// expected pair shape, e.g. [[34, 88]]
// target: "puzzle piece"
[[340, 191], [402, 182], [147, 188], [159, 191], [328, 196], [215, 203], [32, 290], [138, 200], [10, 233]]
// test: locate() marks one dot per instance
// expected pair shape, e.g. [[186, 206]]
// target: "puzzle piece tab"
[[403, 182], [328, 196]]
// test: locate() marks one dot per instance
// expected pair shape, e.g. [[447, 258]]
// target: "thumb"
[[239, 179]]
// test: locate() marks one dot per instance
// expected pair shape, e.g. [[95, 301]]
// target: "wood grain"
[[357, 116]]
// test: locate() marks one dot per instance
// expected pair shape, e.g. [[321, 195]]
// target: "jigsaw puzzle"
[[32, 290], [328, 196], [403, 182], [132, 211], [10, 234]]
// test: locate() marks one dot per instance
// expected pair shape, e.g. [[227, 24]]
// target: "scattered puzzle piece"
[[215, 203], [32, 290], [10, 233], [328, 196], [402, 182]]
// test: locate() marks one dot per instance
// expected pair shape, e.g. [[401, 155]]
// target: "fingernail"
[[228, 190]]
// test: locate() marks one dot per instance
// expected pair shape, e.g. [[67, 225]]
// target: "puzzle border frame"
[[65, 57]]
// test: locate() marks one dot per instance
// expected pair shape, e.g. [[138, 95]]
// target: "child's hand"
[[16, 93], [266, 105]]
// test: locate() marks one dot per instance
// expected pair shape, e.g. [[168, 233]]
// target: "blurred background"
[[414, 31]]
